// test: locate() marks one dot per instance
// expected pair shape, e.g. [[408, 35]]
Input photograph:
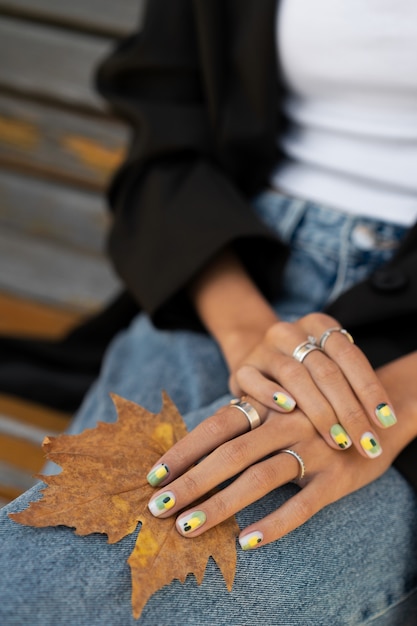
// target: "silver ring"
[[301, 351], [249, 411], [336, 329], [300, 462]]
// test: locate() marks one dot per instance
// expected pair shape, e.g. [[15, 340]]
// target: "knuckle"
[[345, 349], [221, 505], [353, 416], [212, 427], [327, 372], [302, 509], [290, 370], [277, 330], [234, 454], [371, 389], [261, 477], [243, 373], [190, 485]]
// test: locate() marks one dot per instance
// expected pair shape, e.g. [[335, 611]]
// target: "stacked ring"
[[303, 349]]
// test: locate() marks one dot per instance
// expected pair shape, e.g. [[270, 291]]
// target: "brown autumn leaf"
[[103, 488]]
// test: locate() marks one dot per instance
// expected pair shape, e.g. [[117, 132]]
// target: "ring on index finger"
[[249, 411]]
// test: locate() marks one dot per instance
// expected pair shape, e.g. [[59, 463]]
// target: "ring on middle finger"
[[304, 348]]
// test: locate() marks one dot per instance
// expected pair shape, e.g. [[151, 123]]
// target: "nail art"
[[340, 436], [161, 503], [251, 540], [385, 415], [370, 444], [283, 401], [157, 474], [191, 522]]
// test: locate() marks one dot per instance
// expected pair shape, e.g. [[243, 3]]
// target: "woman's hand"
[[336, 388], [257, 465]]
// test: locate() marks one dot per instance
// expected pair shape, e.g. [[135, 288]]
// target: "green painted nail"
[[251, 540], [162, 503], [191, 522], [385, 415], [157, 474], [371, 445], [283, 401], [340, 436]]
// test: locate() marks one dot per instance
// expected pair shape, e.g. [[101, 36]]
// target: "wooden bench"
[[58, 148]]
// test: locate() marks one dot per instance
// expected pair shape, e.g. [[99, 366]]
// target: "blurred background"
[[58, 150]]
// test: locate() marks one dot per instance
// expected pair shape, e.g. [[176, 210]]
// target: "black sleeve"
[[204, 127]]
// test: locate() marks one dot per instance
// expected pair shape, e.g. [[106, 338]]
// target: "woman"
[[257, 202]]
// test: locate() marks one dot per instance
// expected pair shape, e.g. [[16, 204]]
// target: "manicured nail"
[[385, 415], [191, 522], [157, 474], [251, 540], [340, 436], [370, 444], [161, 503], [283, 401]]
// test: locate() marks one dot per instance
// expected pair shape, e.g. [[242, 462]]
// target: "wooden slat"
[[50, 273], [80, 149], [115, 17], [26, 455], [31, 413], [25, 317], [39, 208], [50, 62]]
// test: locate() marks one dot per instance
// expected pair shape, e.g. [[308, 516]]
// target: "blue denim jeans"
[[354, 562]]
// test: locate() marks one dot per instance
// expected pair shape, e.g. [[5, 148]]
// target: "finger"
[[234, 457], [352, 424], [292, 514], [371, 397], [299, 384], [225, 462], [263, 389], [226, 424], [355, 367], [342, 419], [254, 483]]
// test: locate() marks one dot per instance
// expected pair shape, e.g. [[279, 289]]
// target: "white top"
[[350, 68]]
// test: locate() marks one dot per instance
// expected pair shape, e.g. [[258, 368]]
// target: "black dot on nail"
[[166, 499], [187, 528]]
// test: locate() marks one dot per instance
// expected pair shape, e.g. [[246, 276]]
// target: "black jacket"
[[200, 87]]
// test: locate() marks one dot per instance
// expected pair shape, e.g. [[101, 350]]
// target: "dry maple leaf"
[[103, 488]]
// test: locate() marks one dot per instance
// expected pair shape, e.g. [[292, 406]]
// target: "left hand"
[[254, 458]]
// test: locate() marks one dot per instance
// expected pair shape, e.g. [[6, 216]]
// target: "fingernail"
[[371, 445], [161, 503], [191, 522], [157, 474], [340, 436], [283, 401], [385, 415], [251, 540]]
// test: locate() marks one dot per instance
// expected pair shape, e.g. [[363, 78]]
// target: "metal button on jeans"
[[364, 237]]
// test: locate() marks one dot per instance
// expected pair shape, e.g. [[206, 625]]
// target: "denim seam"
[[391, 607], [339, 284]]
